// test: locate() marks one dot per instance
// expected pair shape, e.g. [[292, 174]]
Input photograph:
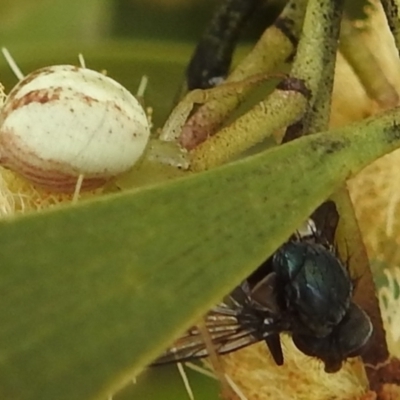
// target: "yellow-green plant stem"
[[280, 109], [274, 47], [316, 59], [365, 65], [313, 64], [316, 38], [172, 128]]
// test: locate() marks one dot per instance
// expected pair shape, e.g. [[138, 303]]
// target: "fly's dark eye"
[[354, 332], [348, 339]]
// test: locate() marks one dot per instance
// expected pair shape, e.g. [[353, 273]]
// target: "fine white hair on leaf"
[[82, 61], [185, 380], [142, 86], [200, 370], [12, 64], [77, 190]]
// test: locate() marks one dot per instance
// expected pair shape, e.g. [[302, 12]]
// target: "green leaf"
[[92, 293]]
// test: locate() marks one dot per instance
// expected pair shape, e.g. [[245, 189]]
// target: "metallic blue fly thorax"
[[317, 287]]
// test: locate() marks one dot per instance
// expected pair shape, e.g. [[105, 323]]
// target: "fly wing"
[[232, 325], [226, 334], [326, 219]]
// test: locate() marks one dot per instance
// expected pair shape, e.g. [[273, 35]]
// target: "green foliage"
[[92, 293]]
